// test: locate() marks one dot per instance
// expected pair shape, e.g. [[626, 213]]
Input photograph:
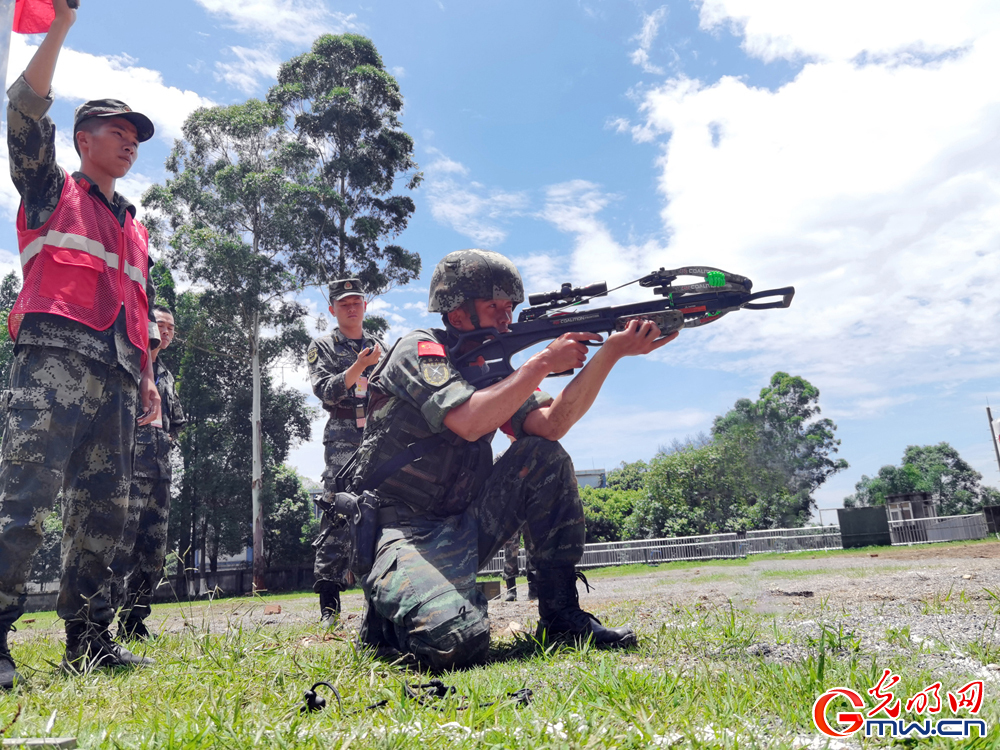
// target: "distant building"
[[910, 506], [596, 478]]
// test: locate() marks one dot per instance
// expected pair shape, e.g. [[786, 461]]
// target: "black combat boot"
[[8, 670], [532, 589], [133, 629], [89, 646], [560, 617], [511, 595], [329, 605]]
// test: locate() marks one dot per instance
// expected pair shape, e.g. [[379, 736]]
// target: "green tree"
[[346, 110], [711, 489], [955, 487], [787, 444], [230, 215], [47, 563], [9, 288], [291, 524], [210, 511], [607, 510], [628, 476], [163, 280]]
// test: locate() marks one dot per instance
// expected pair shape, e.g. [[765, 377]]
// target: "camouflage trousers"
[[333, 546], [421, 593], [511, 555], [139, 558], [70, 424]]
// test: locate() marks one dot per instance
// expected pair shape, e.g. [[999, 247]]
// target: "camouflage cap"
[[473, 274], [113, 108], [346, 288]]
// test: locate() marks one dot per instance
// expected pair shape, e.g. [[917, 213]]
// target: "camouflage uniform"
[[71, 408], [511, 552], [143, 548], [448, 513], [328, 358]]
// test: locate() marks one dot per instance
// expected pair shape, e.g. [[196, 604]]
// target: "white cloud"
[[613, 432], [81, 76], [250, 68], [831, 31], [466, 206], [574, 207], [292, 21], [871, 182], [650, 28]]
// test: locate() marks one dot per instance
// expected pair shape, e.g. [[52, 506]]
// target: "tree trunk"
[[257, 484]]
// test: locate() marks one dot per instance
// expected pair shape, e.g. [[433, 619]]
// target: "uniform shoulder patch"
[[435, 372], [430, 349], [312, 355]]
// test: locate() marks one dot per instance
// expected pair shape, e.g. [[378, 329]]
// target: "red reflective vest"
[[83, 265]]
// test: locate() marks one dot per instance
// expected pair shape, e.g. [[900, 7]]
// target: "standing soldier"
[[140, 557], [338, 368], [511, 563], [82, 372]]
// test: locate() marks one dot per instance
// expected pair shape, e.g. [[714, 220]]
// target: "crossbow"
[[552, 314]]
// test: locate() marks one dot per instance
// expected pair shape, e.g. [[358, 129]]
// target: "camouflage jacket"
[[413, 389], [39, 181], [153, 443], [328, 358]]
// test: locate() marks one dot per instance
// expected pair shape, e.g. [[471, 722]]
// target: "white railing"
[[730, 545], [705, 547], [945, 529], [793, 540]]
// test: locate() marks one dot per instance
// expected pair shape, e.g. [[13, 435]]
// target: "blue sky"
[[848, 148]]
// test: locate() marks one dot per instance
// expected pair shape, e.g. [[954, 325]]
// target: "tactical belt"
[[394, 515]]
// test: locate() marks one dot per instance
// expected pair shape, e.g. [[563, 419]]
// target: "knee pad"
[[449, 631]]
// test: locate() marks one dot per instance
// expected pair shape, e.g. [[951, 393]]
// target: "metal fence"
[[719, 546], [945, 529], [706, 547]]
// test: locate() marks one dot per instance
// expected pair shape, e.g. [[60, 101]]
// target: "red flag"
[[33, 16]]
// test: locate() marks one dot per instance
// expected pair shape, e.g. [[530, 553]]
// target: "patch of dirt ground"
[[944, 597]]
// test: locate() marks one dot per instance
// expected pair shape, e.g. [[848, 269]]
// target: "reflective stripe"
[[135, 274], [79, 242], [71, 241]]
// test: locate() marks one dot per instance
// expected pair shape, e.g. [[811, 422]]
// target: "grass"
[[692, 683]]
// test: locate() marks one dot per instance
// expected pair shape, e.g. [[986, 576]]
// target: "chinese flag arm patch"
[[430, 349]]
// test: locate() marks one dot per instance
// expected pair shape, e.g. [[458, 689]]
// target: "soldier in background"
[[139, 559], [511, 566], [339, 365]]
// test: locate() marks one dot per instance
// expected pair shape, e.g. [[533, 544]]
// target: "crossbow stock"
[[552, 314]]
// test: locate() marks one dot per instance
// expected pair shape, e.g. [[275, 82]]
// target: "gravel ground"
[[932, 599]]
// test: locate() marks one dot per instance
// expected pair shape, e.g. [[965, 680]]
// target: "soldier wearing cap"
[[83, 326], [339, 365], [139, 559]]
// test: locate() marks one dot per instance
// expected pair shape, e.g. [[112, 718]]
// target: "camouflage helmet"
[[473, 274]]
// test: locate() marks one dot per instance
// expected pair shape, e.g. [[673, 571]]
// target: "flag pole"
[[996, 447], [6, 27]]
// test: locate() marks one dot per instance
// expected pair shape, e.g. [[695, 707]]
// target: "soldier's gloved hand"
[[369, 356]]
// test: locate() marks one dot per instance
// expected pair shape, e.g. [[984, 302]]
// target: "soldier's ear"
[[332, 312]]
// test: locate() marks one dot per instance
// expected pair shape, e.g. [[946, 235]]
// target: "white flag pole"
[[996, 446], [6, 27]]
